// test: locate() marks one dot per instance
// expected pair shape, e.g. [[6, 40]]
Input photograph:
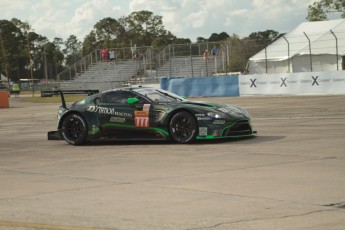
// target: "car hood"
[[232, 110]]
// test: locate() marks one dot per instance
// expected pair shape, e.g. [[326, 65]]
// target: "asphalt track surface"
[[291, 176]]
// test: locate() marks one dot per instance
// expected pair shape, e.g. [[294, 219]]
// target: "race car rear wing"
[[50, 93]]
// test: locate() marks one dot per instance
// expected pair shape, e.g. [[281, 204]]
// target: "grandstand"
[[104, 75], [93, 73], [190, 67]]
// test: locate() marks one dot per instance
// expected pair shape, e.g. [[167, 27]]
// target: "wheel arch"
[[172, 113], [72, 112], [71, 130], [194, 133]]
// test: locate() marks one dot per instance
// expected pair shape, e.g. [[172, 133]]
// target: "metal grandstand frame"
[[142, 65]]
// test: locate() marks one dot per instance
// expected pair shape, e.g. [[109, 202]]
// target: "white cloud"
[[184, 18], [8, 8], [197, 19], [46, 22], [155, 5], [240, 13], [89, 13]]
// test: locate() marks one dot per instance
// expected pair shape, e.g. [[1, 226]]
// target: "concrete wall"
[[202, 86], [258, 84], [293, 84]]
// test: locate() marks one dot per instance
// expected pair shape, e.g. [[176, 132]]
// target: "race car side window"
[[117, 97], [141, 100], [97, 100]]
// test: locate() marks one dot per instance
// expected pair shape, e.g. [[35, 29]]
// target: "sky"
[[183, 18]]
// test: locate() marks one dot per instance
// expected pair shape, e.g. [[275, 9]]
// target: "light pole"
[[32, 78], [45, 65]]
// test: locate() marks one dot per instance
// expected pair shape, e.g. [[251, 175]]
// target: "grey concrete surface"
[[291, 176]]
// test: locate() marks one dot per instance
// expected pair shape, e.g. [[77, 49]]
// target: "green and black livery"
[[142, 113]]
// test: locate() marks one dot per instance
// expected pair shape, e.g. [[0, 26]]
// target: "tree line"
[[24, 51]]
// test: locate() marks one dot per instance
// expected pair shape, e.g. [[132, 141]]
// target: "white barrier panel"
[[293, 84]]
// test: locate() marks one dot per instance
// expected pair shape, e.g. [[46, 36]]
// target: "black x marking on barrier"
[[283, 82], [253, 83], [315, 80]]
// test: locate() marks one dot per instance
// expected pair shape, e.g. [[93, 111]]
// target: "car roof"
[[127, 89]]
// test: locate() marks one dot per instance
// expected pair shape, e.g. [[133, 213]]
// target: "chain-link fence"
[[293, 52], [193, 60], [301, 52], [178, 60]]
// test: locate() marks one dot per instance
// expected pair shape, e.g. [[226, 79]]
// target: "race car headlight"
[[241, 112], [215, 115]]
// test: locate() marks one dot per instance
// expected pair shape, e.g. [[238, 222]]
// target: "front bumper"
[[53, 135]]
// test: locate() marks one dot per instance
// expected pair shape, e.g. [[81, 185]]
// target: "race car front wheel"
[[74, 129], [183, 127]]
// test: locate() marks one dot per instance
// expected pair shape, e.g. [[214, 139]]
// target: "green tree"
[[32, 52], [201, 39], [218, 37], [319, 10], [109, 33], [58, 56], [72, 50], [13, 52], [237, 62], [143, 27], [257, 41], [164, 40], [264, 38], [50, 57], [181, 41], [35, 44], [243, 49], [90, 43], [139, 28]]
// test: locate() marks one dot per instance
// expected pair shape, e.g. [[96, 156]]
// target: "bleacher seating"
[[189, 67], [104, 75]]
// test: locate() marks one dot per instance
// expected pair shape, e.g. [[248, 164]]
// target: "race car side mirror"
[[132, 100]]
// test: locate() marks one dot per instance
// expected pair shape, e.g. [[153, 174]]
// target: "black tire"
[[74, 129], [183, 127]]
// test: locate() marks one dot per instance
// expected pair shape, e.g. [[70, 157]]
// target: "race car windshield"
[[160, 95]]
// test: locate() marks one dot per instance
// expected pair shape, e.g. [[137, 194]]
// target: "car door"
[[122, 119]]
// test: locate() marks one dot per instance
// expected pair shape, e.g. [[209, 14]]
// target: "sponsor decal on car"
[[106, 110], [202, 131], [146, 107], [118, 119], [204, 118], [219, 122], [141, 118]]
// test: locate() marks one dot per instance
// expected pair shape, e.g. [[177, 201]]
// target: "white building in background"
[[2, 77], [310, 47]]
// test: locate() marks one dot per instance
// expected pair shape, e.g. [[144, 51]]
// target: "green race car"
[[146, 113]]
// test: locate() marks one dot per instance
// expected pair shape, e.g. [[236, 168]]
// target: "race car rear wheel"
[[183, 127], [74, 129]]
